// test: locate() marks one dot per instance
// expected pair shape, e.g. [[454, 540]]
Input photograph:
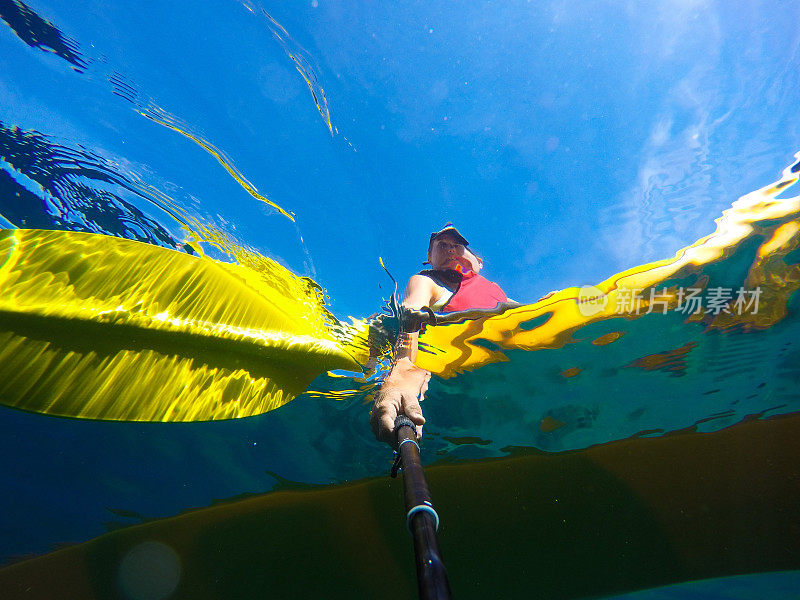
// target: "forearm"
[[405, 384], [404, 373], [400, 393], [406, 346]]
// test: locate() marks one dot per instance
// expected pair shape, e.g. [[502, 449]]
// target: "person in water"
[[452, 284]]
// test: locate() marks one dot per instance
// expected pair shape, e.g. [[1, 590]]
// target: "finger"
[[412, 410], [386, 433], [375, 416], [424, 387], [382, 417], [375, 421]]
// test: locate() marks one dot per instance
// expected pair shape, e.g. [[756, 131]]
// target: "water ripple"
[[40, 33]]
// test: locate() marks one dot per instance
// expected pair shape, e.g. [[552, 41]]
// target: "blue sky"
[[567, 140]]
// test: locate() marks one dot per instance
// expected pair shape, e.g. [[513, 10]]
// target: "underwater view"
[[208, 216]]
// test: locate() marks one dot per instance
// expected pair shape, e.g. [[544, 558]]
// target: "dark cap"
[[448, 228]]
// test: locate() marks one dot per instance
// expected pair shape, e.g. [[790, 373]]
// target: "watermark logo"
[[591, 301]]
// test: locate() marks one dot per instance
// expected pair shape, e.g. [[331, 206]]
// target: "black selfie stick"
[[421, 517]]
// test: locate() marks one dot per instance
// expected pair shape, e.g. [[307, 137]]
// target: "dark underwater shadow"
[[617, 517]]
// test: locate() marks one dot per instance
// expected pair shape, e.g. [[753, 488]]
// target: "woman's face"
[[447, 253]]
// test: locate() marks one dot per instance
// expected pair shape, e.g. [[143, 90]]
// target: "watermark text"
[[689, 300]]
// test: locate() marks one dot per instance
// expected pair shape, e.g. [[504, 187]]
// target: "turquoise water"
[[568, 144], [772, 585]]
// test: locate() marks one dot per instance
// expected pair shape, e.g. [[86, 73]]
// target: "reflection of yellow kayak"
[[761, 217], [632, 514], [98, 327]]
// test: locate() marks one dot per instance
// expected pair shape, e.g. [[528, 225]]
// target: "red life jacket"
[[471, 290]]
